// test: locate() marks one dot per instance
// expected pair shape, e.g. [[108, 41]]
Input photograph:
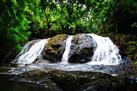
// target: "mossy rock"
[[55, 48], [54, 43]]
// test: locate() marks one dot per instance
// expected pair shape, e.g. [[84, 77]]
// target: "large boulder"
[[35, 80], [57, 80], [76, 81], [55, 48], [82, 49]]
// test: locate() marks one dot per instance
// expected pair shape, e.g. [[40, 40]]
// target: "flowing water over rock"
[[106, 52], [65, 56], [30, 52], [68, 63], [82, 52]]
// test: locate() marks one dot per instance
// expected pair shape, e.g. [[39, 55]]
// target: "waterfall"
[[106, 52], [106, 57], [25, 49], [65, 56], [30, 52]]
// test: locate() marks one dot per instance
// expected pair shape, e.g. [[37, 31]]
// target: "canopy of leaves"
[[21, 20]]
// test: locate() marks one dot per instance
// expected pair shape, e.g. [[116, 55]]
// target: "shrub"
[[122, 16]]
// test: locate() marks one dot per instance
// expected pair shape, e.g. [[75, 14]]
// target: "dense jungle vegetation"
[[24, 20]]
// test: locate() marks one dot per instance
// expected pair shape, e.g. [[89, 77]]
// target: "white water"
[[65, 56], [106, 57], [28, 55], [25, 48], [106, 52]]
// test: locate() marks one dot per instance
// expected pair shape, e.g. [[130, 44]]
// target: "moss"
[[54, 43], [55, 48]]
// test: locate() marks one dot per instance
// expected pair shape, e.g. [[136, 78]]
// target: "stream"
[[88, 62]]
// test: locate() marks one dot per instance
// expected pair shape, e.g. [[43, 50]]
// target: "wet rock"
[[55, 48], [58, 80], [73, 80], [104, 85], [38, 78], [82, 48]]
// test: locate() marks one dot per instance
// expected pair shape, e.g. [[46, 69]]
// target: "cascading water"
[[105, 59], [30, 53], [65, 56], [106, 52]]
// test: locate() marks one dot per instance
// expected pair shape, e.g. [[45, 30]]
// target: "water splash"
[[106, 57], [30, 53], [106, 52], [65, 56], [25, 48]]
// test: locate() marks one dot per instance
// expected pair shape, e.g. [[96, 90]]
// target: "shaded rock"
[[131, 83], [38, 78], [73, 81], [82, 48], [25, 86], [58, 80], [104, 85], [14, 82], [55, 48]]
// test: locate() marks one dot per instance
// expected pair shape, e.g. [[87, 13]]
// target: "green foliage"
[[123, 16], [69, 17], [42, 18], [22, 20], [14, 23], [62, 17]]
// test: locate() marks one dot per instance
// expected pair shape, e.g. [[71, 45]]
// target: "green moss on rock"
[[54, 43], [55, 48]]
